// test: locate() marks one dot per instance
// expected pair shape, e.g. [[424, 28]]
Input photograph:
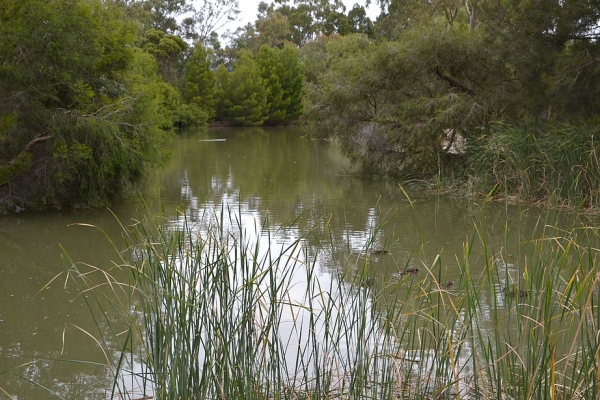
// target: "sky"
[[249, 9]]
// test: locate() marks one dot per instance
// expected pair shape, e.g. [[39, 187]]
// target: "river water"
[[273, 175]]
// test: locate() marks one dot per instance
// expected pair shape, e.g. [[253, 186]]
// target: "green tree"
[[245, 96], [271, 69], [392, 105], [165, 13], [168, 50], [273, 29], [359, 22], [79, 105], [283, 77], [222, 86], [337, 22], [292, 82], [178, 112], [200, 81]]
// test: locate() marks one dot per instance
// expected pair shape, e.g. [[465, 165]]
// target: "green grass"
[[203, 310]]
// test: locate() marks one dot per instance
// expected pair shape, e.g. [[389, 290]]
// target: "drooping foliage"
[[79, 105], [444, 76]]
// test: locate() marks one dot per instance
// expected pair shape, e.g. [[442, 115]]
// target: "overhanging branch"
[[454, 83]]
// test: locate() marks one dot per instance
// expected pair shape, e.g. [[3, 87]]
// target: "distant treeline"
[[495, 97]]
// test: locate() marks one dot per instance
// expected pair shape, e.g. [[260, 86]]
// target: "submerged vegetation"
[[212, 310]]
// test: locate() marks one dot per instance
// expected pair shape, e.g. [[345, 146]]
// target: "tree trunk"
[[471, 7]]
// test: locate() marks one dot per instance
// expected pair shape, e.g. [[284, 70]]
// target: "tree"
[[200, 82], [79, 105], [358, 20], [291, 81], [245, 94], [337, 22], [392, 105], [165, 13], [283, 77], [271, 68], [209, 16], [273, 29], [222, 86], [307, 18], [168, 51]]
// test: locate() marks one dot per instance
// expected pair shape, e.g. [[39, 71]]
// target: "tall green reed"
[[539, 163], [212, 310]]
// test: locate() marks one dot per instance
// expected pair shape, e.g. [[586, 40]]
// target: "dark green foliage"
[[222, 85], [80, 107], [168, 51], [262, 90], [271, 68], [245, 94], [452, 73], [283, 76], [200, 82], [291, 80]]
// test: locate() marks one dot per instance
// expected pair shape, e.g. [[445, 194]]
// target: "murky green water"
[[273, 177]]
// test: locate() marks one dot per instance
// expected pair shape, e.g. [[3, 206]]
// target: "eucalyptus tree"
[[195, 20], [306, 19], [207, 17], [273, 29], [165, 13]]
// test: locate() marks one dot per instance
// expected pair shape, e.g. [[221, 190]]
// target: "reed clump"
[[537, 164], [212, 311]]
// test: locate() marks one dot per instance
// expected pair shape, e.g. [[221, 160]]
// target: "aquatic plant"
[[213, 311]]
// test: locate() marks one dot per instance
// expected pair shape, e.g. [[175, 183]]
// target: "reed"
[[538, 163], [213, 311]]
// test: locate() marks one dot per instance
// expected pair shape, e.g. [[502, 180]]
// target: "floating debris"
[[378, 252], [212, 140], [409, 271], [369, 282]]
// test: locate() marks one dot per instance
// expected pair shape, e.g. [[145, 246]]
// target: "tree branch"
[[454, 83], [37, 139]]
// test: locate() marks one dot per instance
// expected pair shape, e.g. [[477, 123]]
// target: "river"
[[273, 175]]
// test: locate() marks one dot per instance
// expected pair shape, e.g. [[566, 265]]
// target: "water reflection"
[[270, 178]]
